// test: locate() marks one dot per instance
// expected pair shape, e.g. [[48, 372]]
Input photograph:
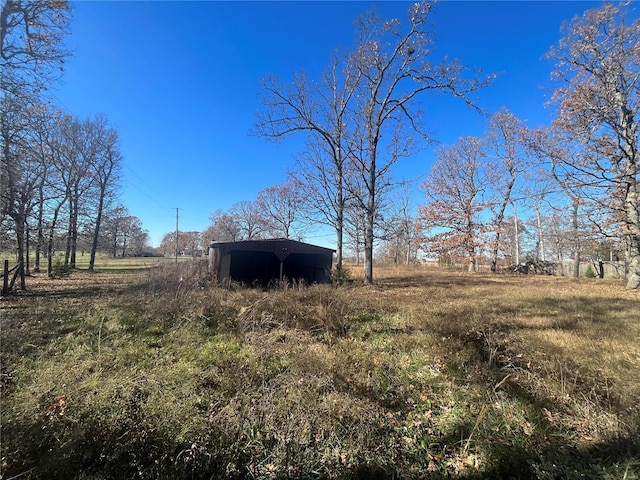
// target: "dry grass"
[[425, 374]]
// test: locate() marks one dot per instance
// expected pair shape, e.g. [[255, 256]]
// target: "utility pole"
[[177, 235]]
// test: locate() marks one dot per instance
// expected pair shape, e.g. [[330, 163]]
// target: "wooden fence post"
[[5, 278]]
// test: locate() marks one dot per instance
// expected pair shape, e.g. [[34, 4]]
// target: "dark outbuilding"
[[260, 262]]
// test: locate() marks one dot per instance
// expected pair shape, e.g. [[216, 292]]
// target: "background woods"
[[59, 174], [517, 193]]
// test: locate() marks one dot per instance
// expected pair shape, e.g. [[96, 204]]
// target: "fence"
[[604, 269], [7, 285]]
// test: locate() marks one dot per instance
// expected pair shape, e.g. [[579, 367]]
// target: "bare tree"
[[454, 192], [58, 193], [122, 233], [561, 153], [539, 192], [354, 230], [24, 173], [31, 43], [224, 228], [505, 149], [395, 68], [598, 61], [282, 208], [323, 180], [321, 110], [129, 228], [400, 241], [31, 34], [42, 134], [79, 149], [105, 167], [249, 218], [113, 226]]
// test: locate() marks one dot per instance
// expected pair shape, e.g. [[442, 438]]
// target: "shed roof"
[[280, 247], [262, 261]]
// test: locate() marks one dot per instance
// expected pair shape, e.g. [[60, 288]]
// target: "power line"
[[149, 187]]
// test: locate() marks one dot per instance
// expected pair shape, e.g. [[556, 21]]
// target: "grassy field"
[[156, 373]]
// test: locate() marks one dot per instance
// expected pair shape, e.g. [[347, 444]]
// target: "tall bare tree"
[[42, 135], [20, 171], [322, 111], [562, 153], [323, 179], [505, 150], [105, 168], [454, 192], [281, 208], [80, 148], [224, 228], [395, 67], [598, 61], [31, 52], [250, 219]]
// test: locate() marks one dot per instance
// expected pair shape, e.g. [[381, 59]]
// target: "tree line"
[[59, 174], [571, 187], [578, 177]]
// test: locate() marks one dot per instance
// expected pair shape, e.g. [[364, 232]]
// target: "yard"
[[156, 373]]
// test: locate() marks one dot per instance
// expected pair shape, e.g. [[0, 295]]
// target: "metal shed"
[[261, 261]]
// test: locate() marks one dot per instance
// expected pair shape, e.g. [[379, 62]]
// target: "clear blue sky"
[[179, 81]]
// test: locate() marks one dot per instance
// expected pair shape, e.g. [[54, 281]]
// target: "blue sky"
[[179, 81]]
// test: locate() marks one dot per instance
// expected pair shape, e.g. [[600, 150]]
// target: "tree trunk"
[[408, 259], [39, 229], [541, 254], [114, 245], [499, 220], [370, 222], [27, 250], [52, 231], [72, 234], [494, 257], [339, 239], [472, 265], [339, 223], [632, 233], [368, 246], [576, 239], [67, 251], [96, 232], [516, 240], [20, 231]]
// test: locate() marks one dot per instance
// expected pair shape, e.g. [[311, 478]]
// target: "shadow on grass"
[[550, 455]]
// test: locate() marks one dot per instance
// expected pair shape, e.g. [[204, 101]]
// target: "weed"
[[341, 276], [60, 269]]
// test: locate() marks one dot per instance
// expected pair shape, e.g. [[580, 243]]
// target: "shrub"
[[340, 276], [60, 270]]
